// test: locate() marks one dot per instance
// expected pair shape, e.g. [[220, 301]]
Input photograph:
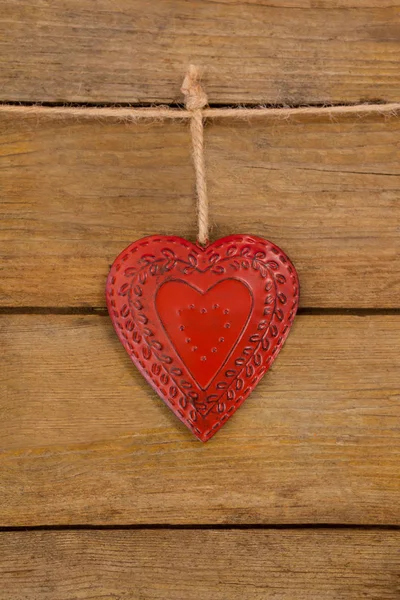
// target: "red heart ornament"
[[202, 325]]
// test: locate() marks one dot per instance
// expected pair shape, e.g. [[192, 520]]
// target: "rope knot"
[[195, 96]]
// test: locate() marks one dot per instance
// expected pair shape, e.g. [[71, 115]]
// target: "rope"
[[196, 110], [195, 101]]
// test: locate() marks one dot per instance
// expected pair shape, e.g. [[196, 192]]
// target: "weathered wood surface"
[[75, 193], [262, 51], [199, 565], [85, 440]]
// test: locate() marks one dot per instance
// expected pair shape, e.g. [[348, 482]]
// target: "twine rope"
[[197, 110], [127, 113], [195, 101]]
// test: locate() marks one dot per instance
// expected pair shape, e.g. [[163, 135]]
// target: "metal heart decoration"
[[202, 325]]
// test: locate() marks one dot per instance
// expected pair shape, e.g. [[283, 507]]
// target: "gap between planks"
[[101, 311], [203, 527]]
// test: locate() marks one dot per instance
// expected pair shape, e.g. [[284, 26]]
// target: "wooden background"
[[103, 493]]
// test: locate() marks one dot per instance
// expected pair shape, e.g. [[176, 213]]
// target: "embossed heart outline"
[[133, 284]]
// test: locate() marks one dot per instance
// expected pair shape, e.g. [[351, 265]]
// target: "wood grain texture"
[[85, 440], [260, 51], [75, 193], [199, 565]]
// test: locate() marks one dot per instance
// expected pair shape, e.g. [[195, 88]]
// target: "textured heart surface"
[[202, 325]]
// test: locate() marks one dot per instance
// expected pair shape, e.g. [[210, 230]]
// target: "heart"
[[205, 325], [202, 325]]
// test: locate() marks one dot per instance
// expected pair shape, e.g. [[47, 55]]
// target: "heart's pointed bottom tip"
[[203, 438]]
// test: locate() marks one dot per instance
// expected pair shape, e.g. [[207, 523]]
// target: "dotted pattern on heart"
[[208, 323]]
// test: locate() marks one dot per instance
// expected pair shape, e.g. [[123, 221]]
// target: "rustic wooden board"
[[84, 440], [197, 565], [260, 51], [76, 192]]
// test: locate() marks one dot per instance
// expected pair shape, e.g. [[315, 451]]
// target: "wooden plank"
[[260, 51], [76, 192], [196, 565], [85, 440]]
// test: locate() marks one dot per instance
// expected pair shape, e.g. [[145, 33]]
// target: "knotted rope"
[[197, 110], [195, 101]]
